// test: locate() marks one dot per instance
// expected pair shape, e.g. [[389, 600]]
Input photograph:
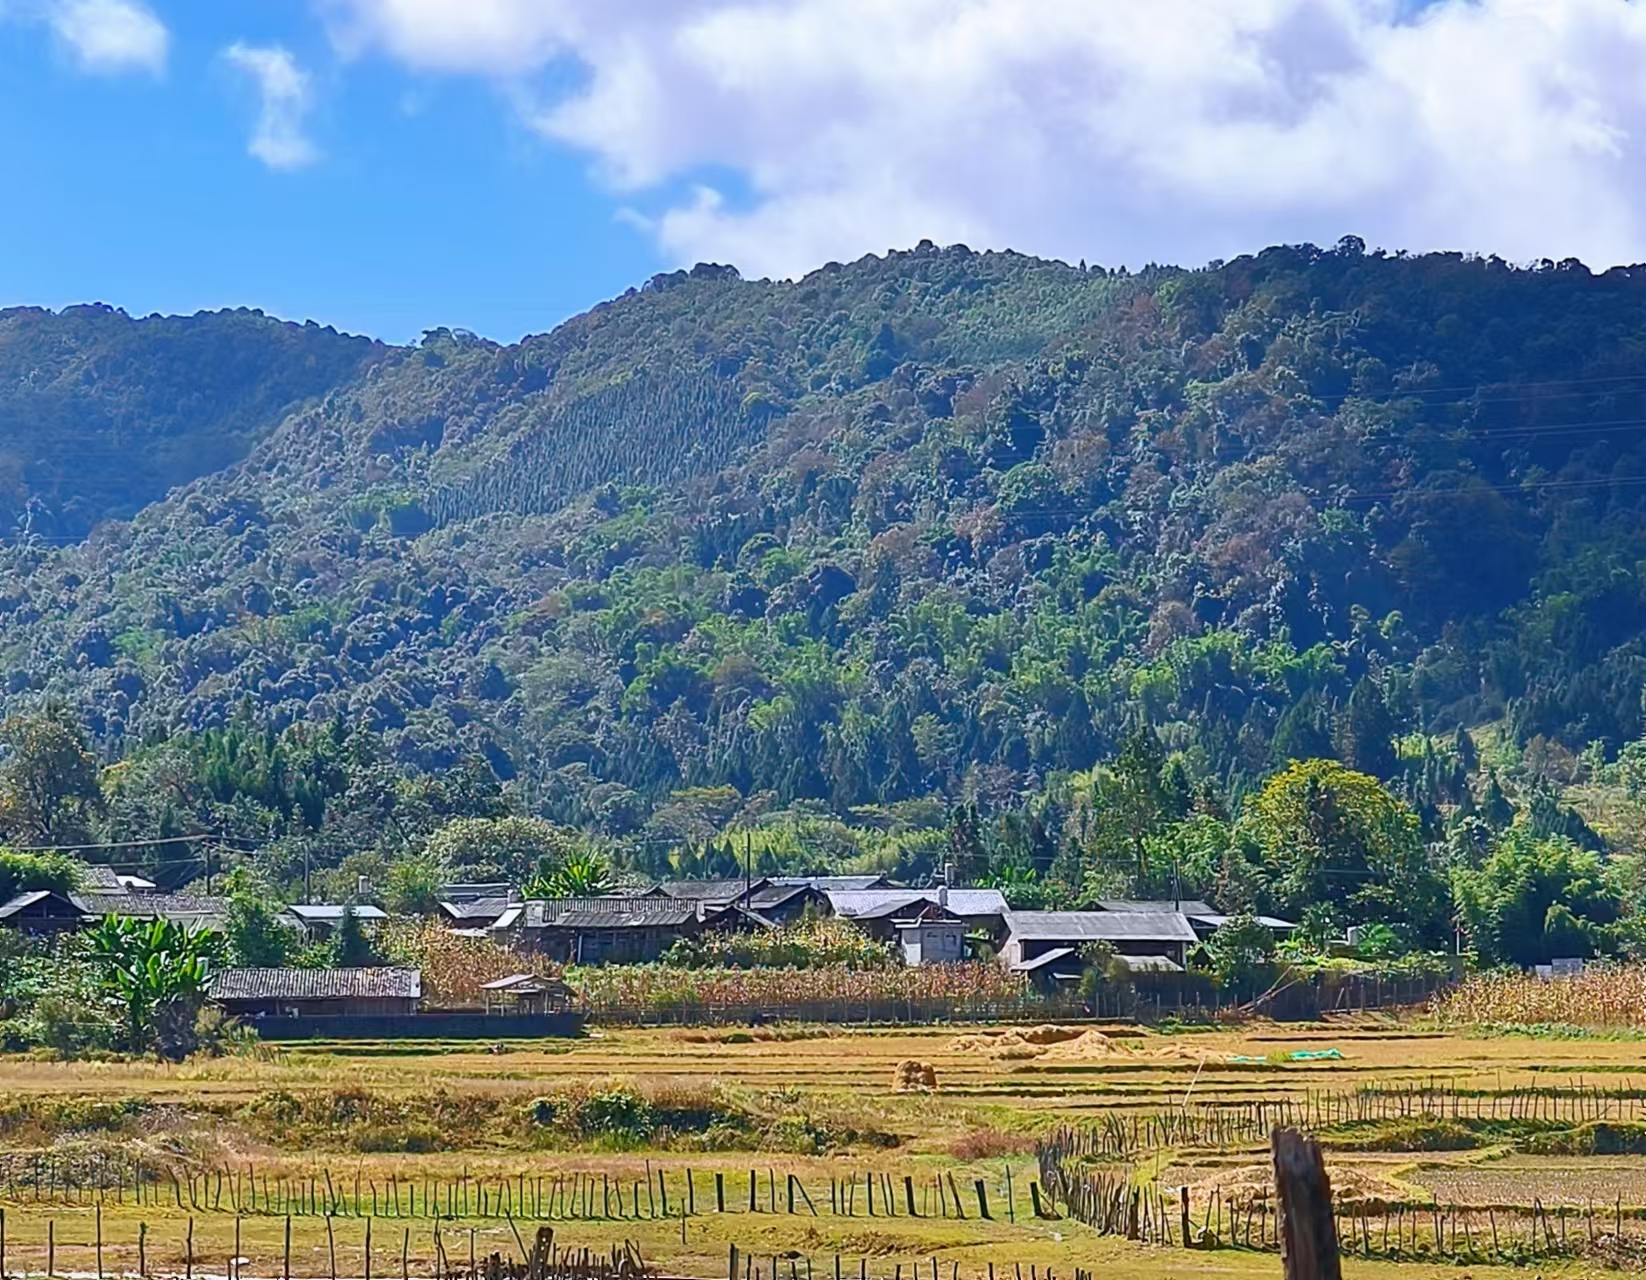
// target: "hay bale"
[[914, 1077]]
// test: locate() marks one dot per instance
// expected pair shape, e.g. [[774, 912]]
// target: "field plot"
[[793, 1145]]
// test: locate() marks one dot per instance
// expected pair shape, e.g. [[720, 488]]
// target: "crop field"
[[793, 1145]]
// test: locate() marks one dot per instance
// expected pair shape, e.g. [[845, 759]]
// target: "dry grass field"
[[621, 1109]]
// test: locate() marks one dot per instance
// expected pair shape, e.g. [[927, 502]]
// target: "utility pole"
[[306, 898]]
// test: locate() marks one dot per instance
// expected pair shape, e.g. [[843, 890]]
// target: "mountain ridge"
[[941, 524]]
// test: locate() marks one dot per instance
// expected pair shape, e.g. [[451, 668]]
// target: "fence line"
[[437, 1255]]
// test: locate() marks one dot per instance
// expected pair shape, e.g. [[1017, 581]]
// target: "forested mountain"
[[914, 542], [100, 414]]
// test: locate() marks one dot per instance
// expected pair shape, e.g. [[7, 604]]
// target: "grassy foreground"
[[816, 1104]]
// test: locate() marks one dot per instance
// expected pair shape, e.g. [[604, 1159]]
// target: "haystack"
[[914, 1077]]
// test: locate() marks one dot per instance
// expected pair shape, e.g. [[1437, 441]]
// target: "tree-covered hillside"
[[100, 414], [919, 543]]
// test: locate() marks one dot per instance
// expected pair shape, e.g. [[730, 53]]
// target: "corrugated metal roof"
[[1100, 926], [181, 908], [711, 890], [95, 876], [476, 908], [841, 883], [333, 912], [1216, 921], [1162, 906], [317, 984], [609, 913], [23, 901], [1149, 964], [1039, 962], [873, 903]]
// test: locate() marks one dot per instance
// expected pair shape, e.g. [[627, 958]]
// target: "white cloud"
[[105, 36], [285, 96], [1116, 130]]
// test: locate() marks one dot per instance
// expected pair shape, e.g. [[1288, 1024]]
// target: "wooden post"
[[51, 1246], [982, 1199], [99, 1242], [1183, 1216], [719, 1191], [331, 1247], [188, 1250], [285, 1268], [368, 1249], [1308, 1231], [235, 1268], [142, 1249], [731, 1259]]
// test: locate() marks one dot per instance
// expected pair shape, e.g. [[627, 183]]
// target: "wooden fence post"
[[1308, 1231]]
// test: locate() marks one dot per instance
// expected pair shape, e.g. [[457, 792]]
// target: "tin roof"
[[868, 904], [1100, 926], [317, 984], [609, 913]]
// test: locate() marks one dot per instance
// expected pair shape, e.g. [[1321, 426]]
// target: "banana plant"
[[157, 968]]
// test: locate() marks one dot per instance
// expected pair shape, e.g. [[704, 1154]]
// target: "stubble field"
[[440, 1149]]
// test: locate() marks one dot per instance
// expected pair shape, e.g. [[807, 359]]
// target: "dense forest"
[[1047, 569]]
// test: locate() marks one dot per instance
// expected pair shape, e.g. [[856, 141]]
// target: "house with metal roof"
[[319, 920], [318, 993], [875, 911], [620, 929], [1032, 936], [44, 912], [1205, 918]]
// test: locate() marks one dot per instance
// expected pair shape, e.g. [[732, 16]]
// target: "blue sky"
[[387, 166], [430, 204]]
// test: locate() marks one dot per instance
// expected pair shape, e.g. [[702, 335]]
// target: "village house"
[[318, 921], [876, 911], [621, 929], [318, 993], [44, 912], [1144, 941], [933, 935]]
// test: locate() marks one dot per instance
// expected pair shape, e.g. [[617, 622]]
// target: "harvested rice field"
[[884, 1149]]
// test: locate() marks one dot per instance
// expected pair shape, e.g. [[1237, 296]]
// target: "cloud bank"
[[1117, 130], [285, 97]]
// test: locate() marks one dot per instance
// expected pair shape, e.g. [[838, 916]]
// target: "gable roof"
[[930, 913], [317, 984], [34, 897], [873, 904], [1100, 926]]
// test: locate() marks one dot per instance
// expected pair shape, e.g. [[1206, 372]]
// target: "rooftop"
[[332, 912], [868, 904], [1162, 906], [712, 890], [317, 984], [1100, 926], [609, 913]]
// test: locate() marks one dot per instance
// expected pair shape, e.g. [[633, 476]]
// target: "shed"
[[527, 993], [318, 993]]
